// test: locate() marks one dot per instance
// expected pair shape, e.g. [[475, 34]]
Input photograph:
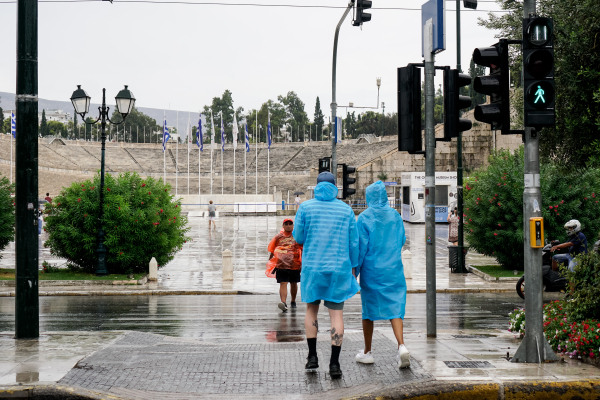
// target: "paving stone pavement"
[[145, 362]]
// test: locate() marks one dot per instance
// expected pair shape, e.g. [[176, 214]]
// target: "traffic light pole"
[[430, 190], [333, 89], [26, 200], [459, 166], [534, 348]]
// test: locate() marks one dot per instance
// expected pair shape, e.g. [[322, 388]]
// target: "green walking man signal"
[[540, 95]]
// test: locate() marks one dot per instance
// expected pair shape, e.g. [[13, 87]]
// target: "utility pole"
[[333, 88], [27, 310], [430, 182]]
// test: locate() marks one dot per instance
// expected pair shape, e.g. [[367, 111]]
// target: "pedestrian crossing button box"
[[536, 232]]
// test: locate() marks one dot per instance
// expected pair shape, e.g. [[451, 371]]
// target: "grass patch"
[[498, 271], [66, 275]]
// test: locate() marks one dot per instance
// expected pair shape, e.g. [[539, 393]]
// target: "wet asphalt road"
[[246, 318]]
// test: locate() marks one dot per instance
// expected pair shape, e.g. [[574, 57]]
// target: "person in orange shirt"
[[285, 262]]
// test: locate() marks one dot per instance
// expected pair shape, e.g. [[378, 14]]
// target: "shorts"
[[287, 275], [211, 219], [565, 259], [330, 304]]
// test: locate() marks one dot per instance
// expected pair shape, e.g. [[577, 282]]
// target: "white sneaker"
[[282, 306], [361, 357], [403, 357]]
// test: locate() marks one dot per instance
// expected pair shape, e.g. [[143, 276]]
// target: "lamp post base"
[[101, 267]]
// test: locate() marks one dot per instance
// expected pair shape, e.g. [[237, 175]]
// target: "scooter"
[[553, 281]]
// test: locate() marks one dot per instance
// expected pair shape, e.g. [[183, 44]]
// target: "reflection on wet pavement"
[[199, 265], [245, 318]]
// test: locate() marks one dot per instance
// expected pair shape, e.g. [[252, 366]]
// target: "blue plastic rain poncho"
[[326, 227], [382, 282]]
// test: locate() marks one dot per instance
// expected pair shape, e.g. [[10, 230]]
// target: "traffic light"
[[409, 109], [347, 181], [362, 16], [324, 164], [454, 102], [538, 74], [496, 85]]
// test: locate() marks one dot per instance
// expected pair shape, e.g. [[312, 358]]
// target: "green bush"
[[584, 287], [493, 214], [141, 220], [7, 213]]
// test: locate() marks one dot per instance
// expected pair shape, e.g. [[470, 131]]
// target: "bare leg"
[[368, 333], [294, 290], [283, 291], [337, 327], [311, 325], [398, 327]]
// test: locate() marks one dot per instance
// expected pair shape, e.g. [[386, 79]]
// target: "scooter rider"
[[577, 244]]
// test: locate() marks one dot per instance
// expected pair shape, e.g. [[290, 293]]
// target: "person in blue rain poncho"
[[326, 227], [382, 282]]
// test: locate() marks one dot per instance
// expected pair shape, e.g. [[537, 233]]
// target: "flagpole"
[[164, 148], [212, 143], [199, 143], [233, 162], [256, 153], [177, 153], [222, 150], [187, 138], [11, 156], [246, 141]]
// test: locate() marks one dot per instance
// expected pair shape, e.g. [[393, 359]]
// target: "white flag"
[[235, 132], [212, 131]]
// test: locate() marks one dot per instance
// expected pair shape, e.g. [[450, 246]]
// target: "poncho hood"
[[325, 191], [377, 195]]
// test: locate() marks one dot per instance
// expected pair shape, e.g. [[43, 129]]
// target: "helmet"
[[572, 227]]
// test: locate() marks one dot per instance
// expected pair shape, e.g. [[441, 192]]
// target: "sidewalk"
[[135, 365], [196, 270]]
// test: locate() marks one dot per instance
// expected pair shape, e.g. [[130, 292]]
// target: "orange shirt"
[[287, 252]]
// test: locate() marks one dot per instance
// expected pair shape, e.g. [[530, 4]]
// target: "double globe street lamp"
[[81, 103]]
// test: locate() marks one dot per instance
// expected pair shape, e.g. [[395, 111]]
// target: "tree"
[[475, 71], [493, 214], [319, 119], [141, 220], [223, 104], [7, 213], [296, 116], [136, 123], [44, 125], [1, 119], [278, 117], [576, 137], [56, 128]]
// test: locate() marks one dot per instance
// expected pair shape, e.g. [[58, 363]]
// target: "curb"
[[512, 390], [53, 392], [491, 278], [51, 283], [143, 292]]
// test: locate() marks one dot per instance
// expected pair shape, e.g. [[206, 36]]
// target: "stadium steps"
[[172, 158], [61, 157], [99, 161], [294, 156], [134, 160]]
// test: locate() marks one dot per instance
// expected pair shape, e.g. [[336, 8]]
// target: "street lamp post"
[[383, 119], [81, 102]]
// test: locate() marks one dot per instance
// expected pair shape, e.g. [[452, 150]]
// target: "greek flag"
[[166, 135], [222, 135], [212, 131], [247, 140], [235, 132], [199, 137], [13, 125], [269, 132]]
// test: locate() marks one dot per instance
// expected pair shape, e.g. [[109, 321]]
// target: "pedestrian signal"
[[538, 73]]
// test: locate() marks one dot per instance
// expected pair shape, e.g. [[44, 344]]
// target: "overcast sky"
[[180, 56]]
